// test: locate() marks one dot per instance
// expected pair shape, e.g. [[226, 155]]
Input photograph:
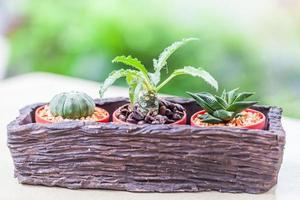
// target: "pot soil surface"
[[247, 118], [168, 113], [43, 115]]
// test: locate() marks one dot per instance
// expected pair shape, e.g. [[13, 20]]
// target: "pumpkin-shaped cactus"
[[72, 105]]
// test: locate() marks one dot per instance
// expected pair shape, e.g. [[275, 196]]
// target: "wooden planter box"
[[147, 158]]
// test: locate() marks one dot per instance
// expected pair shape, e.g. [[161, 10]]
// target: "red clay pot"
[[259, 125], [41, 120], [115, 119]]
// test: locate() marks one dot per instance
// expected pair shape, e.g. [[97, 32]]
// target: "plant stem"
[[165, 82]]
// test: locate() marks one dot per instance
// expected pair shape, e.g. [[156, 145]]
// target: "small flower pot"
[[258, 125], [43, 120], [115, 119]]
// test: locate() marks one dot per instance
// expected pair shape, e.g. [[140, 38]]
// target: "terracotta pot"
[[259, 125], [115, 119], [39, 119]]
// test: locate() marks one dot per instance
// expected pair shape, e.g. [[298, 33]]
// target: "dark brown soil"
[[168, 114]]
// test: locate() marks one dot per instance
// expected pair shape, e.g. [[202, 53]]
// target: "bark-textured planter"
[[147, 158]]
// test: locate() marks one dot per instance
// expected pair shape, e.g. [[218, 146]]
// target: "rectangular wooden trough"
[[147, 158]]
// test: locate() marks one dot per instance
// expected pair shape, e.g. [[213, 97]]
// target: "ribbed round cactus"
[[72, 105]]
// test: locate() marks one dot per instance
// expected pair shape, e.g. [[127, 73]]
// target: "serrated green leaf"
[[240, 106], [115, 75], [133, 82], [159, 63], [154, 77], [138, 89], [133, 62], [193, 71]]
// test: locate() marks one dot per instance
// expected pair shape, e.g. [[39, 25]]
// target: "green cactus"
[[224, 108], [72, 105]]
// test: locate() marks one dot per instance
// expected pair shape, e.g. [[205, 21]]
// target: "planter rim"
[[258, 125], [25, 119], [41, 120], [115, 119]]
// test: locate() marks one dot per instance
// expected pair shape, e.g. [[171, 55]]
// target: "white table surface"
[[40, 87]]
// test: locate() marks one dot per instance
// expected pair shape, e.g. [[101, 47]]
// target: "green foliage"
[[143, 86], [72, 105], [132, 77], [222, 108], [133, 62], [161, 62], [80, 38], [192, 71]]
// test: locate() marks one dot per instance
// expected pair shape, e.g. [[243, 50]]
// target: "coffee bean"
[[130, 116], [169, 112], [124, 111], [154, 113], [174, 109], [141, 122], [130, 119], [179, 107], [137, 115], [162, 110], [155, 122], [171, 106], [180, 113], [170, 121], [122, 117], [133, 121], [160, 104], [149, 119], [176, 116], [161, 119], [165, 103]]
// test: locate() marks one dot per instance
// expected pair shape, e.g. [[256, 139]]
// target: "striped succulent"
[[222, 109]]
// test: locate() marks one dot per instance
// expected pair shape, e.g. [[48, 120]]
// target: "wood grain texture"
[[147, 158]]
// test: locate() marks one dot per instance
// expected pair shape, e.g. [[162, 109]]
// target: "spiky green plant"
[[222, 109], [143, 85]]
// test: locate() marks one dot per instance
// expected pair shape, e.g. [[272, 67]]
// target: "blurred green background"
[[254, 45]]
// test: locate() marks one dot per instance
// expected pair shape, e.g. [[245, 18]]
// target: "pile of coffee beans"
[[168, 113]]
